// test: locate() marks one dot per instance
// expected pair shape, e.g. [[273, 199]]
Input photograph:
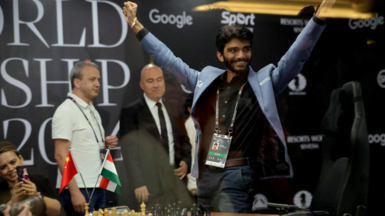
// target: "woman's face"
[[8, 163]]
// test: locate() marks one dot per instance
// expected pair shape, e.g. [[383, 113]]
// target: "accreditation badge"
[[102, 154], [219, 149]]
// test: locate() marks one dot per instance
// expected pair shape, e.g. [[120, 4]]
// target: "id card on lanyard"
[[220, 144]]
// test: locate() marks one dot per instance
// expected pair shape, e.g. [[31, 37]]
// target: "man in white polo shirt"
[[77, 123]]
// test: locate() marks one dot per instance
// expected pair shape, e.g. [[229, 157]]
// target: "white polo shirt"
[[154, 111], [70, 124]]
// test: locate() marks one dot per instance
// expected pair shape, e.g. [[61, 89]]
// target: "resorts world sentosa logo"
[[260, 201], [381, 78], [297, 85], [302, 199], [178, 20]]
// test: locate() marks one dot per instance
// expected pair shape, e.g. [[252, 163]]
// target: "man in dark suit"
[[155, 146]]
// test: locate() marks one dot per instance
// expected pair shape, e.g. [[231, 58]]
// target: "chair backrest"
[[344, 177]]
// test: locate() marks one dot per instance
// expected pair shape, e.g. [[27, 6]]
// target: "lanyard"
[[100, 130], [234, 115]]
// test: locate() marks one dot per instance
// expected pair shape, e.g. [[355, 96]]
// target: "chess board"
[[169, 212]]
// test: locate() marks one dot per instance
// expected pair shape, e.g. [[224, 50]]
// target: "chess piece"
[[132, 213], [113, 213], [101, 212], [157, 210], [150, 214], [208, 211], [143, 208], [184, 212], [199, 212], [125, 213], [95, 213], [117, 213], [172, 210], [86, 209]]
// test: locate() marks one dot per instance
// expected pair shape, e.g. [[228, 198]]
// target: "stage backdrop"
[[40, 40]]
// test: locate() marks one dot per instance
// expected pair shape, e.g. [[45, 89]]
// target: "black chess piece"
[[192, 212], [111, 203], [200, 212], [202, 208], [160, 211], [157, 209], [208, 211]]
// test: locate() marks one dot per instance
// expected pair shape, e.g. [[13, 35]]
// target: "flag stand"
[[101, 168], [81, 176]]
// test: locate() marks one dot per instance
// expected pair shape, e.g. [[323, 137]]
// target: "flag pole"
[[101, 168], [81, 176]]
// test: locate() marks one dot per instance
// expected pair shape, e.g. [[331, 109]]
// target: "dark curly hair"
[[228, 32]]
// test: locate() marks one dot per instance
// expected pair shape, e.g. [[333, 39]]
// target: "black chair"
[[344, 179], [342, 188]]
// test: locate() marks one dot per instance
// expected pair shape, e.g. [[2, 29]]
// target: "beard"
[[230, 66]]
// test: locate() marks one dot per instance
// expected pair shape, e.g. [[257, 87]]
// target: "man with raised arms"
[[233, 107]]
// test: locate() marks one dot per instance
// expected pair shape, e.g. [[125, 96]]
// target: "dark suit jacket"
[[146, 161]]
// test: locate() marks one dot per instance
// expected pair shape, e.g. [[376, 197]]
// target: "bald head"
[[148, 69], [152, 82]]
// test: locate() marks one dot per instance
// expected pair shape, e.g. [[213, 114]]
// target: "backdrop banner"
[[41, 40]]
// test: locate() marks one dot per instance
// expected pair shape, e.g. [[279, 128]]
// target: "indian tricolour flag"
[[110, 179]]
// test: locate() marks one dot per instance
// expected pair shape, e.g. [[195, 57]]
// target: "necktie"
[[163, 128]]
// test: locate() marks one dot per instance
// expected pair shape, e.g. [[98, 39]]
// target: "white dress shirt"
[[192, 133], [69, 123], [154, 111]]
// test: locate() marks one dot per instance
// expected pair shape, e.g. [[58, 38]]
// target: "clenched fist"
[[129, 11]]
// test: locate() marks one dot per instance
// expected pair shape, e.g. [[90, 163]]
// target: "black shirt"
[[249, 122], [42, 185]]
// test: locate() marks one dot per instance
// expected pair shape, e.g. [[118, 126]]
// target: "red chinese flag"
[[68, 172]]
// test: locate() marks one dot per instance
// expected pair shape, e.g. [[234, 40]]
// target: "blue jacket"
[[267, 83]]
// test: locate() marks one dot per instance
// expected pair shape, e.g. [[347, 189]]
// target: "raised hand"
[[129, 11], [324, 7]]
